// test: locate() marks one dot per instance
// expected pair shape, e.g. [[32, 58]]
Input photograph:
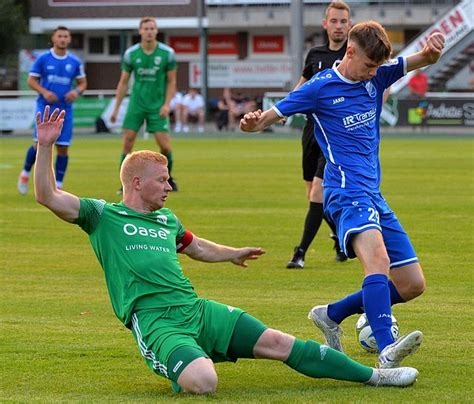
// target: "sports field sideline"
[[61, 342]]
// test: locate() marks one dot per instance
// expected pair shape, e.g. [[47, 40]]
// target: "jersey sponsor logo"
[[53, 79], [371, 90], [131, 230], [337, 100], [144, 71], [162, 219], [354, 121]]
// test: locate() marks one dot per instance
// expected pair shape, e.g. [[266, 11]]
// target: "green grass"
[[59, 340]]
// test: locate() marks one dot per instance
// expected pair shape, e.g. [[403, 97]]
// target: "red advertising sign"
[[268, 44], [184, 44], [223, 44]]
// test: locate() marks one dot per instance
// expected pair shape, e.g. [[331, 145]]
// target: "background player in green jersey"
[[179, 335], [154, 68]]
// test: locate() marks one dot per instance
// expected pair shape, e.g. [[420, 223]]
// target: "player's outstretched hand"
[[49, 128], [247, 253], [434, 47], [249, 122]]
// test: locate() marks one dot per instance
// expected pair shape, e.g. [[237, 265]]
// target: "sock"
[[169, 156], [313, 220], [61, 166], [29, 159], [122, 158], [353, 304], [376, 297], [320, 361]]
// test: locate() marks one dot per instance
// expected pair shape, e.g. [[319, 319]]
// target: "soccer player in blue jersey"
[[345, 103], [52, 77]]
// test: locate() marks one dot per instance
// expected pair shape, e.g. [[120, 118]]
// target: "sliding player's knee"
[[203, 382]]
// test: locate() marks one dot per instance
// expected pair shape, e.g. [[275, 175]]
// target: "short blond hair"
[[146, 19], [135, 163], [372, 39], [338, 5]]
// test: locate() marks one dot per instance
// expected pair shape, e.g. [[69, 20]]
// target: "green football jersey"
[[137, 252], [149, 74]]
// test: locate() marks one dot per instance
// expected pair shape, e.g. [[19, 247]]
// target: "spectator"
[[193, 107], [176, 110], [418, 84], [240, 104], [223, 106]]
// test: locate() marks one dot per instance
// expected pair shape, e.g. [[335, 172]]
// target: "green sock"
[[320, 361], [122, 158], [169, 156]]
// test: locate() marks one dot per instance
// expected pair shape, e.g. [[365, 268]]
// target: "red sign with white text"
[[218, 44], [268, 44], [184, 44], [223, 44]]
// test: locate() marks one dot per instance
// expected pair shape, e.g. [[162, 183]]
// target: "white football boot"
[[399, 377], [393, 354], [331, 330]]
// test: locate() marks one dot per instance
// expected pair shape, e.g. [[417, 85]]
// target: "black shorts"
[[313, 158]]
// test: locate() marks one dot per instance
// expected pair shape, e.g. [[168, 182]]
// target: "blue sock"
[[353, 304], [61, 166], [30, 158], [376, 297]]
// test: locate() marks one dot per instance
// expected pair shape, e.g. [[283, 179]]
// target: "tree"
[[13, 24]]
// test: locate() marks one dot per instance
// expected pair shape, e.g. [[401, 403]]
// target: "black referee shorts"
[[313, 160]]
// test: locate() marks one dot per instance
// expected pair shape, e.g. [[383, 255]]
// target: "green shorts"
[[205, 326], [135, 117]]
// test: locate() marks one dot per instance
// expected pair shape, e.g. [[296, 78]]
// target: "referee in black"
[[337, 23]]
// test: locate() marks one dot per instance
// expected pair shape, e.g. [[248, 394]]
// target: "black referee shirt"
[[320, 58]]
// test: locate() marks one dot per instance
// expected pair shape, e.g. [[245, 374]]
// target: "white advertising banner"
[[242, 74], [17, 114], [455, 25]]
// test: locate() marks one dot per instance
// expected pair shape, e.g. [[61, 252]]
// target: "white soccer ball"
[[364, 334]]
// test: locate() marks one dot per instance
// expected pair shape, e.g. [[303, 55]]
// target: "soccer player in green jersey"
[[179, 335], [153, 65]]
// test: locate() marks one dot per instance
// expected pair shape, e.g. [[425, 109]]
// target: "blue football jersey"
[[57, 74], [346, 117]]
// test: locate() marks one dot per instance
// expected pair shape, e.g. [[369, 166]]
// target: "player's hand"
[[434, 47], [164, 110], [113, 117], [49, 128], [250, 120], [71, 96], [50, 97], [247, 253]]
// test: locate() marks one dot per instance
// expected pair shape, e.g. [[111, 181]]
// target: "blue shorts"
[[65, 139], [356, 211]]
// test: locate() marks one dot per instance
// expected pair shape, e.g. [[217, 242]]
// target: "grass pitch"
[[59, 340]]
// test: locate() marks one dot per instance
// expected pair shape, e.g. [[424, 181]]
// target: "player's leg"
[[62, 146], [159, 126], [24, 177], [313, 167], [320, 361]]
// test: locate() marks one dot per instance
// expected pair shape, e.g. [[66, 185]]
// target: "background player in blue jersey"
[[345, 103], [52, 77], [337, 23]]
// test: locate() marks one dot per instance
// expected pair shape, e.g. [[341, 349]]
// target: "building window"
[[96, 45], [114, 44]]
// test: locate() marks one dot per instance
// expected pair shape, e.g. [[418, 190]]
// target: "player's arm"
[[430, 53], [63, 204], [34, 83], [122, 88], [74, 94], [204, 250], [257, 121], [170, 92]]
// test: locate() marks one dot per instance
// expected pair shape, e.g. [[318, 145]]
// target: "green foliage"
[[13, 23], [61, 342]]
